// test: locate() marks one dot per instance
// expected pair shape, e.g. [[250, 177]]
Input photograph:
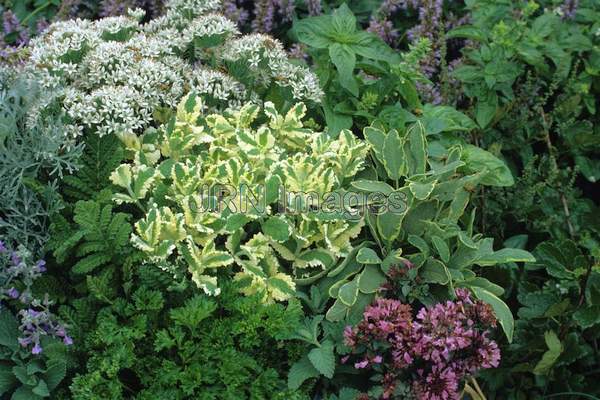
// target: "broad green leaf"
[[25, 393], [485, 110], [393, 155], [55, 372], [347, 394], [314, 31], [367, 256], [9, 329], [206, 283], [344, 59], [373, 186], [501, 310], [487, 285], [389, 225], [439, 119], [467, 31], [370, 279], [41, 389], [550, 357], [337, 311], [416, 154], [300, 371], [376, 139], [369, 45], [434, 271], [504, 256], [323, 358], [441, 247], [309, 330], [348, 292], [277, 228], [587, 317], [284, 287], [343, 22], [477, 159], [7, 379], [421, 191], [122, 176]]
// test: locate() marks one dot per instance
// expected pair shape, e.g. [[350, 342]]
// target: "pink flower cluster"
[[437, 349]]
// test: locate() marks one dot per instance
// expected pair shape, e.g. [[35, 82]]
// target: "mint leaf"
[[344, 59], [301, 371], [323, 359]]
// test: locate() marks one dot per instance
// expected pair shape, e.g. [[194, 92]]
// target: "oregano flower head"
[[435, 350]]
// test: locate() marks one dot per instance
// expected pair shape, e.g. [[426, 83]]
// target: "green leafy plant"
[[557, 325], [361, 75], [22, 375], [99, 238], [320, 360], [208, 180], [431, 237], [224, 347], [35, 153]]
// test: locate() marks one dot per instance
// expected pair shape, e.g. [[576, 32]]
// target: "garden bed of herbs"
[[299, 200]]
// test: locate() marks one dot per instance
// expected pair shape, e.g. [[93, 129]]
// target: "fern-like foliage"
[[98, 237], [100, 157]]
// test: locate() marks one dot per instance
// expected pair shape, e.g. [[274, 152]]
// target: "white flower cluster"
[[117, 72], [258, 49], [204, 28]]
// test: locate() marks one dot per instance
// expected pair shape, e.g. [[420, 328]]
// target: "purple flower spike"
[[2, 247], [68, 340], [10, 22], [569, 9], [13, 293]]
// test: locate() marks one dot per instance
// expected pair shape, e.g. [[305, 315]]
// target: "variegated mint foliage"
[[119, 74], [209, 186]]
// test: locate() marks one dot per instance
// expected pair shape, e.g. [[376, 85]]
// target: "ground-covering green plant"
[[183, 345]]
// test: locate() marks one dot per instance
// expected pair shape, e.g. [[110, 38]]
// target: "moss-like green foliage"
[[149, 346]]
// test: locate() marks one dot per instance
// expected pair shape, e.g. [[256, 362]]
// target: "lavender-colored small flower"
[[314, 7], [3, 248], [15, 259], [10, 22], [41, 26], [68, 340], [569, 9], [13, 293], [41, 265], [37, 349], [384, 29]]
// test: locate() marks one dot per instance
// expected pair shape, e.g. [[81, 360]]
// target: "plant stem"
[[37, 10]]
